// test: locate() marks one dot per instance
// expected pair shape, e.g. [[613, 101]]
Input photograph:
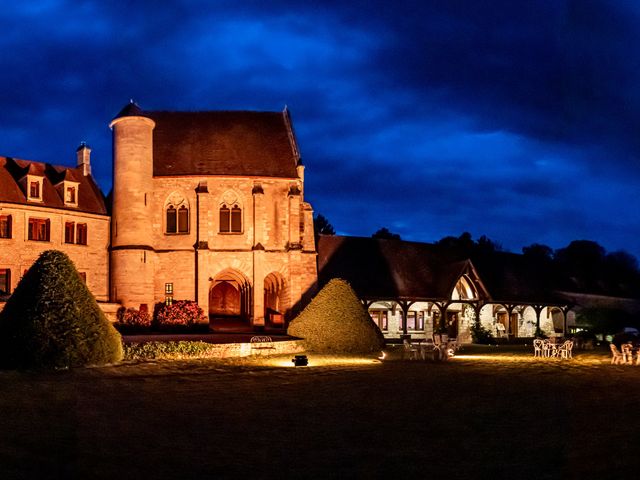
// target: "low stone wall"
[[230, 350], [194, 349]]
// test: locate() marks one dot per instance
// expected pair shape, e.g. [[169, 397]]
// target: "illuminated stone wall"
[[275, 241], [18, 253]]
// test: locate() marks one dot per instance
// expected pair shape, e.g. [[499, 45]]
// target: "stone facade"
[[92, 260], [240, 245], [44, 207]]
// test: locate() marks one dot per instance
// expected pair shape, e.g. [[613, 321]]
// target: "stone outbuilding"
[[209, 206]]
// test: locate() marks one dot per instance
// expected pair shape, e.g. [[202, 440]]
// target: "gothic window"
[[5, 226], [172, 219], [183, 220], [230, 219], [230, 213], [176, 215], [225, 219], [39, 229]]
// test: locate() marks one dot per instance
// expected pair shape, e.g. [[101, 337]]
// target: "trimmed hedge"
[[336, 322], [53, 321], [168, 350]]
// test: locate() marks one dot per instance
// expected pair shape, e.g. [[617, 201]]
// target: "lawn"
[[489, 413]]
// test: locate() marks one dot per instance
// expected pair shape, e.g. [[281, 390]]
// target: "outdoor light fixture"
[[300, 361]]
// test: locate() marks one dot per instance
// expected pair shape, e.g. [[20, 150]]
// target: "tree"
[[321, 226], [537, 251], [52, 320], [385, 233]]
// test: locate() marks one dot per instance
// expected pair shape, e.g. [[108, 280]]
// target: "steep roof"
[[379, 268], [90, 198], [240, 143], [513, 277], [388, 269]]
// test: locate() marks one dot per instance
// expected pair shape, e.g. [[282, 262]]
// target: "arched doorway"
[[275, 299], [461, 313], [229, 301], [224, 299]]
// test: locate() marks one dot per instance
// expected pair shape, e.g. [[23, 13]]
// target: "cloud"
[[519, 120]]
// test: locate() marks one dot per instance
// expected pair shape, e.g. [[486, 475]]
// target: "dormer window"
[[34, 188], [70, 192]]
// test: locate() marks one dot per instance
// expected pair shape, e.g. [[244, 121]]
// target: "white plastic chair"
[[537, 347], [410, 351], [627, 353], [549, 349], [616, 359], [565, 350]]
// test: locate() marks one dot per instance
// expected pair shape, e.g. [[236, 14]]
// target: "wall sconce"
[[300, 361]]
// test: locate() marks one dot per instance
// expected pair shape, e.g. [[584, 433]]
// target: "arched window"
[[183, 219], [230, 219], [177, 219], [176, 214], [172, 220]]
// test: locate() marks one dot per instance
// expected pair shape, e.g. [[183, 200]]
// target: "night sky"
[[515, 120]]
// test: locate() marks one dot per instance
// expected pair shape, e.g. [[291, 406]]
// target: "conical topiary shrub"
[[336, 322], [52, 320]]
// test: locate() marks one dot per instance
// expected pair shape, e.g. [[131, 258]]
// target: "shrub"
[[52, 320], [130, 319], [168, 350], [181, 314], [336, 322], [481, 335]]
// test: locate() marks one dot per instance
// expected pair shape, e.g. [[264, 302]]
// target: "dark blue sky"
[[518, 120]]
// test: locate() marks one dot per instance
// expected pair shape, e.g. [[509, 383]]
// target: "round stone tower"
[[132, 254]]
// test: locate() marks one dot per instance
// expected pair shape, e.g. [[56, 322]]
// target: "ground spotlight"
[[300, 361]]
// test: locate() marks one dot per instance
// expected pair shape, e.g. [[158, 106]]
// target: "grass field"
[[489, 413]]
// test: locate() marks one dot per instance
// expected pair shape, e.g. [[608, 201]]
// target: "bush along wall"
[[53, 321], [180, 316], [130, 320]]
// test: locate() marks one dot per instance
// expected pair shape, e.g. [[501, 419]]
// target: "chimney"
[[84, 158]]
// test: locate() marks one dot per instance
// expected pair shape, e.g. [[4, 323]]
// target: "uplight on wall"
[[300, 361]]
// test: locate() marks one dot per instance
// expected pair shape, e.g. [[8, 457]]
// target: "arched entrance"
[[275, 299], [461, 313], [229, 301]]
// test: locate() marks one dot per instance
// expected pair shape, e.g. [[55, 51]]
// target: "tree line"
[[581, 266]]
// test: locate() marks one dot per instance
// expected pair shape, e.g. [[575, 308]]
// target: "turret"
[[133, 257]]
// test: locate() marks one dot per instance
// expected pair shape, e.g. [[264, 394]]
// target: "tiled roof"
[[90, 198], [223, 143], [386, 269], [513, 277], [378, 268]]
